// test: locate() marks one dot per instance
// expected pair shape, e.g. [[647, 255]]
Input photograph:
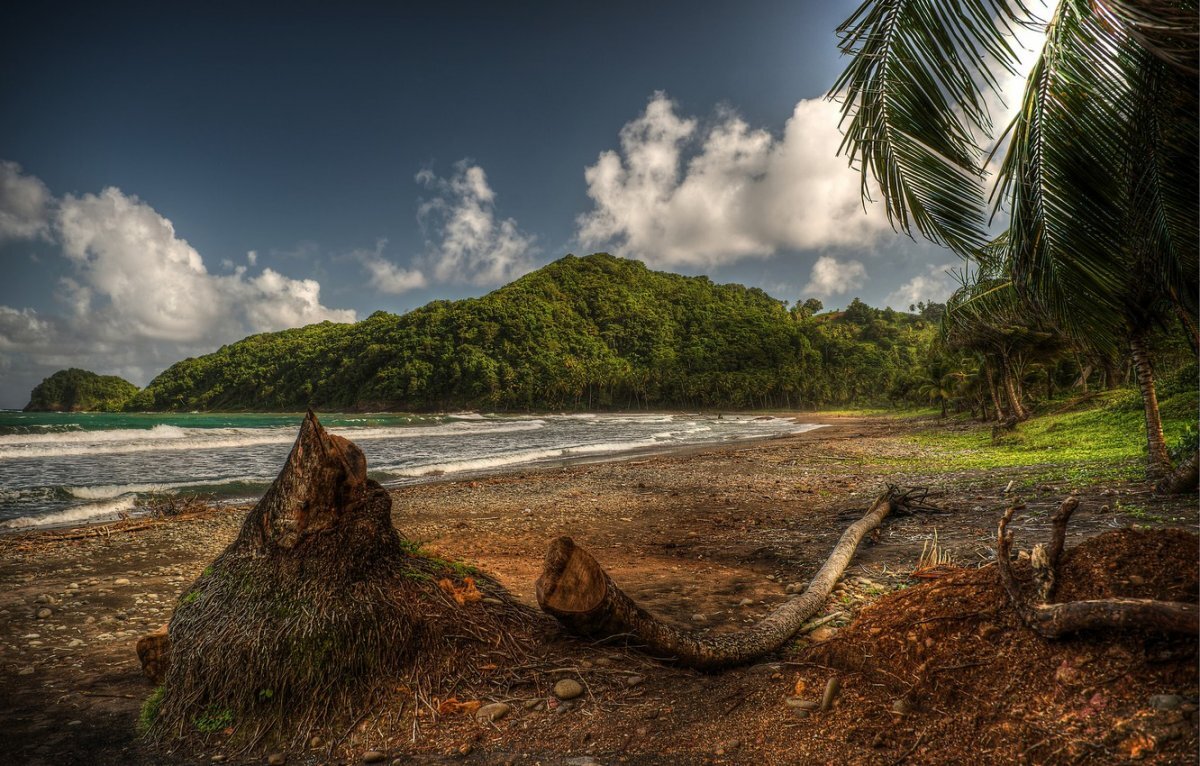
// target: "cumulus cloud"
[[466, 242], [138, 296], [833, 277], [935, 285], [679, 194], [25, 204], [387, 277]]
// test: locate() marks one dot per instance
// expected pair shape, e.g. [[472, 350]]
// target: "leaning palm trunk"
[[1015, 408], [1156, 444]]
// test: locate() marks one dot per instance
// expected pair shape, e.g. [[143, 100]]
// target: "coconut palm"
[[1099, 180]]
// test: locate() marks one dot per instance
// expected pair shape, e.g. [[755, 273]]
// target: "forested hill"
[[581, 333], [76, 390]]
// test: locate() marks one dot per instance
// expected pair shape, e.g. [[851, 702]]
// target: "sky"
[[174, 177]]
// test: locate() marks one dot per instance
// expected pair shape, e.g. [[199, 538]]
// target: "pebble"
[[125, 581], [697, 617], [45, 598], [567, 689], [533, 704], [374, 756], [632, 681], [901, 707], [274, 759], [1165, 701], [315, 742], [74, 643], [493, 712], [796, 587], [746, 602], [832, 687], [802, 704], [823, 634], [43, 613]]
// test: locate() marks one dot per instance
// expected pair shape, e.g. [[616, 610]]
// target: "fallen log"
[[575, 589], [1056, 620]]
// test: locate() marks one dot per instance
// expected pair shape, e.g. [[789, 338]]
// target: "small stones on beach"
[[125, 581], [276, 759], [43, 613], [374, 756], [1165, 701], [795, 587], [901, 707], [632, 681], [568, 689], [746, 602], [832, 687], [697, 617], [493, 712]]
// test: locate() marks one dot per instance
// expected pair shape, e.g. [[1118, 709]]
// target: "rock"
[[43, 613], [632, 681], [822, 634], [771, 578], [89, 620], [218, 758], [493, 712], [1165, 701], [45, 598], [697, 617], [533, 704], [1137, 580], [274, 759], [746, 602], [901, 707], [801, 712], [374, 756], [796, 587], [74, 643], [802, 704], [74, 586], [315, 742], [125, 581], [832, 687], [568, 689], [562, 707], [581, 760]]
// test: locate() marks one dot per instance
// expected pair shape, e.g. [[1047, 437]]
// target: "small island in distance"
[[76, 390]]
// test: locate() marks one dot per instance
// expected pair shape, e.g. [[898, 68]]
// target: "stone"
[[43, 613], [832, 687], [125, 581], [45, 598], [802, 704], [801, 712], [533, 704], [74, 643], [632, 681], [315, 742], [1165, 701], [901, 707], [796, 587], [568, 689], [697, 617], [493, 712], [746, 602], [276, 759], [374, 756], [822, 634]]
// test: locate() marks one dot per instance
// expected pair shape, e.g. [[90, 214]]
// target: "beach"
[[710, 536]]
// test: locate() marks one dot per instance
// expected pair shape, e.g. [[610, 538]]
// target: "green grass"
[[885, 412], [150, 710], [213, 719], [1105, 439]]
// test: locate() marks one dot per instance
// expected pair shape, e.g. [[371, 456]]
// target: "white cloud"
[[935, 285], [832, 277], [252, 257], [387, 277], [466, 241], [138, 297], [742, 193], [25, 204]]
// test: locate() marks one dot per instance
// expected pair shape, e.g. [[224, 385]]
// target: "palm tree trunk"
[[987, 373], [1156, 444], [1010, 391]]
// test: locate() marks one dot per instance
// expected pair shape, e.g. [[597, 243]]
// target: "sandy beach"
[[709, 537]]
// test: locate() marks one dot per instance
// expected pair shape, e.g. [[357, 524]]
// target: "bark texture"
[[1056, 620], [576, 590], [1183, 479]]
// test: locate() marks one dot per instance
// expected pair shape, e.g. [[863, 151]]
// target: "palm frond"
[[1167, 29], [913, 104]]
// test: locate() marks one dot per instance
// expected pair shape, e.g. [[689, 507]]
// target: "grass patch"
[[1102, 440], [150, 710], [213, 719]]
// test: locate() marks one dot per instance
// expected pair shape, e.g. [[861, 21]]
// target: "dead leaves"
[[453, 707], [463, 594]]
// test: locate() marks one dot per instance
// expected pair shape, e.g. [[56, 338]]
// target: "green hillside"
[[581, 333], [76, 390]]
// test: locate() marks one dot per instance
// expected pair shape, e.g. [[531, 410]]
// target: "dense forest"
[[77, 390], [581, 333]]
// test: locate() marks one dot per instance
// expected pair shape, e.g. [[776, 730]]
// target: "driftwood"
[[576, 590], [1056, 620]]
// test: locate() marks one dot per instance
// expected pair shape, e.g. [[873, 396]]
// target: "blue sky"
[[175, 177]]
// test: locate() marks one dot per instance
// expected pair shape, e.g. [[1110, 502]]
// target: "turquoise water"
[[73, 468]]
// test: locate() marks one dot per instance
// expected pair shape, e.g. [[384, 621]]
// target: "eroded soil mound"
[[946, 672]]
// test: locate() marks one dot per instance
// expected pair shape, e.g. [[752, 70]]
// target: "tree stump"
[[317, 607]]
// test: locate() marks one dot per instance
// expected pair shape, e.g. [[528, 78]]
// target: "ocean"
[[61, 469]]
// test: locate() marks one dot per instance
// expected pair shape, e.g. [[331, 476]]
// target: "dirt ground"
[[934, 668]]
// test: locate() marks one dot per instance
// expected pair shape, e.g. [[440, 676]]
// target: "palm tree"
[[1099, 180]]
